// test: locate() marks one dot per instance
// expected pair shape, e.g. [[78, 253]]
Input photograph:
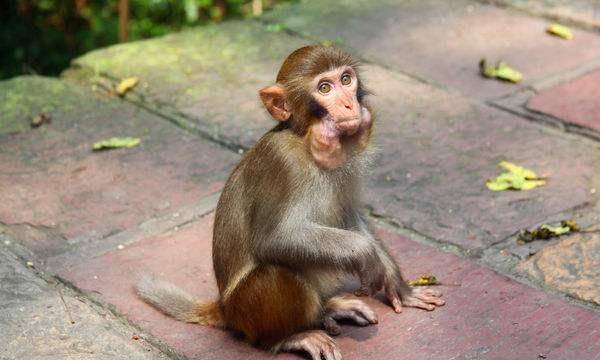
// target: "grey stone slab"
[[442, 41], [35, 324], [210, 75]]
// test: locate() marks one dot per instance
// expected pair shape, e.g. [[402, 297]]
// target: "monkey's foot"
[[347, 307], [316, 343], [423, 298]]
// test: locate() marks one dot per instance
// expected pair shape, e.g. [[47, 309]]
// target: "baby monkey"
[[288, 227]]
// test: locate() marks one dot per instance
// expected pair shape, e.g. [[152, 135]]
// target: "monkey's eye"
[[324, 88], [346, 79]]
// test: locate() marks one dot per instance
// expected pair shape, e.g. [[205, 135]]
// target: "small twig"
[[66, 307]]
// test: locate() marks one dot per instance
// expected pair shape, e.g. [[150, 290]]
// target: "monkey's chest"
[[330, 207]]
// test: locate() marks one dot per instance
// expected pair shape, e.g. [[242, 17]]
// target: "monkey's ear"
[[273, 97]]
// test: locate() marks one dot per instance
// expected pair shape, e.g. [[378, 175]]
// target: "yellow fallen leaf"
[[125, 85], [500, 71], [424, 280], [560, 31], [116, 142], [516, 169], [517, 178]]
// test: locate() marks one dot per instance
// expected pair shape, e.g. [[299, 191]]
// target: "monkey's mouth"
[[348, 125]]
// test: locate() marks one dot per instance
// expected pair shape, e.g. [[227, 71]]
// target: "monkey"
[[289, 230]]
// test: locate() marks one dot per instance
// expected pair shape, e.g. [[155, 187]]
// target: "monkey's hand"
[[400, 294], [372, 277]]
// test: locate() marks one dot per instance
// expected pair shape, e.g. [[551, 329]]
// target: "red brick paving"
[[487, 316], [56, 191], [576, 101]]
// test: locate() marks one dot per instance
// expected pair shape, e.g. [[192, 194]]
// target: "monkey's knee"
[[271, 304]]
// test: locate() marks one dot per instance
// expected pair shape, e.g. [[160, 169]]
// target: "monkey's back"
[[250, 205]]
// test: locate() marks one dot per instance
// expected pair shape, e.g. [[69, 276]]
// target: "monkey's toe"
[[316, 343]]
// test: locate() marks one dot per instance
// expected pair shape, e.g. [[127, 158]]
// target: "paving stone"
[[442, 41], [581, 12], [34, 322], [486, 316], [576, 101], [211, 75], [56, 192], [572, 265], [437, 150]]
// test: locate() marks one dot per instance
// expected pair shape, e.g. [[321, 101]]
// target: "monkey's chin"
[[348, 127]]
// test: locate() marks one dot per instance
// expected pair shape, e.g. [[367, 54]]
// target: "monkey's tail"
[[177, 303]]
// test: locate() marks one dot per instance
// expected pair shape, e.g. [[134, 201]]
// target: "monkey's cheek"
[[366, 118]]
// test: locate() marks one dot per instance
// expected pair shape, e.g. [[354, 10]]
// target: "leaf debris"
[[40, 119], [125, 85], [500, 71], [560, 31], [516, 178], [425, 280], [116, 142], [545, 231]]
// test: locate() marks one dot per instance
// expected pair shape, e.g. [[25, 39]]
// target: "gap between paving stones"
[[154, 226]]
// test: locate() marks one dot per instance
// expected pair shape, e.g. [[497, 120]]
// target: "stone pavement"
[[79, 225]]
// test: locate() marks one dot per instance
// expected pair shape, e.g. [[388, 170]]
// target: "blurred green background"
[[42, 36]]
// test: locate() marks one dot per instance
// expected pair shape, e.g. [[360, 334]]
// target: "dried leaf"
[[424, 280], [499, 71], [560, 31], [116, 142], [40, 119], [571, 224], [125, 85], [545, 231], [517, 178]]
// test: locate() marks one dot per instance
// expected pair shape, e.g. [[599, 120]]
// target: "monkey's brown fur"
[[286, 231]]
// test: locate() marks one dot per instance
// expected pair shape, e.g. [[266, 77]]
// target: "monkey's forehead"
[[310, 61]]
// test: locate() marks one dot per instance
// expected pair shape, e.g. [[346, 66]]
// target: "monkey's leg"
[[274, 307], [347, 307]]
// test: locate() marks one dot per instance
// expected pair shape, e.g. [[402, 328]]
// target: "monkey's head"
[[319, 93]]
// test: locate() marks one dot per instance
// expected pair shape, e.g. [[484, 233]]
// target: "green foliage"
[[42, 36]]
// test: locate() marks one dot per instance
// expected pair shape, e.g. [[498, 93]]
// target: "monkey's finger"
[[432, 292], [337, 353], [433, 300], [392, 295], [314, 351], [329, 349], [366, 312], [414, 302]]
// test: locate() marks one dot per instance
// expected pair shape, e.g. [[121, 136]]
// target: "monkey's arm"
[[397, 291], [312, 244]]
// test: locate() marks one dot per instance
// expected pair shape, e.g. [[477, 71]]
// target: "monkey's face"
[[337, 105]]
